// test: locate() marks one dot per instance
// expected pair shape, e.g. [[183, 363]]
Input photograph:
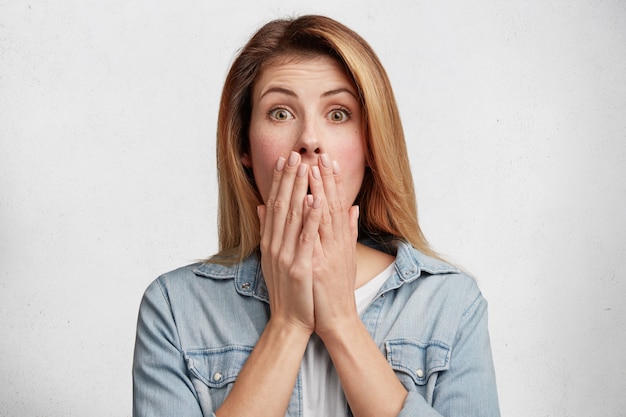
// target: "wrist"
[[290, 330], [345, 328]]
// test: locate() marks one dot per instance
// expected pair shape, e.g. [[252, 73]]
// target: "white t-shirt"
[[321, 391]]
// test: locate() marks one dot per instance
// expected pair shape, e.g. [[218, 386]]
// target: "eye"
[[280, 114], [339, 115]]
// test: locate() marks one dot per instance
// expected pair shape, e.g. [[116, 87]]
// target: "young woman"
[[324, 299]]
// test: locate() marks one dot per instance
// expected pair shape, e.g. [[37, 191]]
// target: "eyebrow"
[[279, 90], [339, 91], [290, 93]]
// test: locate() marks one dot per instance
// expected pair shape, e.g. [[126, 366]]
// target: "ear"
[[246, 160]]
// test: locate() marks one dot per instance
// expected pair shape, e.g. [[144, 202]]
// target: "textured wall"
[[515, 114]]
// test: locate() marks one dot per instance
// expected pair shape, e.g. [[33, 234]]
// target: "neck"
[[369, 263]]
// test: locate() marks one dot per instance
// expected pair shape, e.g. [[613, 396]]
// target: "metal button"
[[217, 376], [245, 286], [420, 373]]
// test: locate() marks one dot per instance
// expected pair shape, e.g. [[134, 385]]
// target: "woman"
[[324, 299]]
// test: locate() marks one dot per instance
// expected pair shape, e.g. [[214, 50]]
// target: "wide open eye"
[[339, 115], [280, 114]]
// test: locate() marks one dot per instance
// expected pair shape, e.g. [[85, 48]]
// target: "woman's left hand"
[[334, 256], [370, 385]]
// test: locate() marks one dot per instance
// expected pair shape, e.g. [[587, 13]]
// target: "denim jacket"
[[198, 324]]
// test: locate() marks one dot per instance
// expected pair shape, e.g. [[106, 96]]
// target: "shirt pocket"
[[416, 362], [213, 371]]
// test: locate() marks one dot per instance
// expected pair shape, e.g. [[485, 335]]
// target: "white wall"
[[516, 118]]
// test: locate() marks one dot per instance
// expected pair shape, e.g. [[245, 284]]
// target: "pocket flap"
[[217, 367], [416, 359]]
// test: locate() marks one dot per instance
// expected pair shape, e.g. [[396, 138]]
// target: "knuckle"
[[292, 216], [318, 270], [306, 237], [297, 272], [284, 262], [274, 249], [335, 206], [278, 204], [277, 177], [270, 203]]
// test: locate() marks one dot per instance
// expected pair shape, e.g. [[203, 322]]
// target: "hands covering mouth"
[[308, 245]]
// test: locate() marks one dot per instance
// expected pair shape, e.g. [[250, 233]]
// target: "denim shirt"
[[198, 324]]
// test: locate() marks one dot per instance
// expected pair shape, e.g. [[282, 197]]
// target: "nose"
[[309, 142], [313, 150]]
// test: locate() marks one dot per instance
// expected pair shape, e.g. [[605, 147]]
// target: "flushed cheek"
[[263, 160], [353, 181], [352, 168]]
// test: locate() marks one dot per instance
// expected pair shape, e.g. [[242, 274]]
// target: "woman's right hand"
[[289, 229]]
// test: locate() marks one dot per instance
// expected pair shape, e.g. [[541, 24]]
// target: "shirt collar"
[[409, 265], [247, 276]]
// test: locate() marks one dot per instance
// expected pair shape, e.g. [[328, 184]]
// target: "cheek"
[[264, 153], [262, 169], [351, 152]]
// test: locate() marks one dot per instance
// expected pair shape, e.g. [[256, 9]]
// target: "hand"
[[289, 230], [334, 257]]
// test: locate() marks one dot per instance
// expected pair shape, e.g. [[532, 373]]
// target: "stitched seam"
[[169, 304], [471, 309]]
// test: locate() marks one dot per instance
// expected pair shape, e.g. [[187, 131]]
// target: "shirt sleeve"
[[468, 387], [161, 386]]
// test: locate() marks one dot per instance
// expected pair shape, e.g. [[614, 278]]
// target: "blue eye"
[[338, 115], [280, 114]]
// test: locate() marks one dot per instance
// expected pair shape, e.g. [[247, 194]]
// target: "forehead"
[[296, 58], [302, 68]]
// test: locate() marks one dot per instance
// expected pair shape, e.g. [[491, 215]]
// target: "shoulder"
[[192, 272], [434, 298], [445, 286], [447, 274], [415, 264], [188, 283], [198, 302]]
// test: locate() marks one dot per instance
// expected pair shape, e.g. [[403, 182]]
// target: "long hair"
[[387, 196]]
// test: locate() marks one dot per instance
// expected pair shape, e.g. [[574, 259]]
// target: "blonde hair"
[[387, 196]]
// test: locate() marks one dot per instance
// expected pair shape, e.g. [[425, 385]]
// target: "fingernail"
[[280, 164], [358, 211], [316, 172], [293, 159], [325, 160], [309, 200], [318, 202], [302, 170], [336, 170]]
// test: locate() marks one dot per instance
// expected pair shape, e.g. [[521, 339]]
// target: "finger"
[[337, 206], [293, 221], [260, 211], [282, 202], [308, 236], [269, 204], [354, 223], [317, 190], [346, 219]]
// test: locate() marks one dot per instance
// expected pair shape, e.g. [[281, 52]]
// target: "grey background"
[[515, 113]]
